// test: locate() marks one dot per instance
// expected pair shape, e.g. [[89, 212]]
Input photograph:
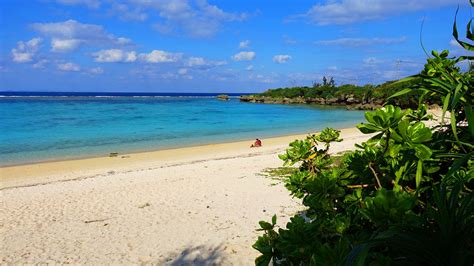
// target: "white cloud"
[[362, 41], [244, 56], [281, 58], [202, 63], [244, 44], [182, 71], [114, 56], [158, 56], [123, 41], [249, 68], [25, 51], [196, 61], [40, 64], [96, 71], [69, 67], [192, 18], [128, 13], [64, 45], [89, 3], [70, 34], [351, 11], [272, 78]]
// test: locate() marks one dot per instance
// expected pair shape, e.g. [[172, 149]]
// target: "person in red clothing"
[[258, 143]]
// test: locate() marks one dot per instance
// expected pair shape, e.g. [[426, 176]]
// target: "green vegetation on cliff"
[[360, 97]]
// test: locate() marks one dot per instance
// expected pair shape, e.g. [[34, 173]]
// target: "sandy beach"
[[196, 205]]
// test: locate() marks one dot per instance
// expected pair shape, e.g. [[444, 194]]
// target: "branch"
[[375, 175]]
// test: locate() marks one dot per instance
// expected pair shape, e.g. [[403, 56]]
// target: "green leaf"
[[367, 128], [274, 219], [458, 163], [400, 93], [457, 95], [453, 126], [445, 107], [420, 133], [422, 151], [265, 225], [263, 260], [419, 171], [263, 246], [469, 33]]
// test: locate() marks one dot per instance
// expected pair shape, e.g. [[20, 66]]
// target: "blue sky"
[[216, 46]]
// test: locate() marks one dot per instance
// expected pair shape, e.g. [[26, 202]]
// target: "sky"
[[217, 46]]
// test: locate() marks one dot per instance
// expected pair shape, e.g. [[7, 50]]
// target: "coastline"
[[181, 206], [57, 170], [170, 207]]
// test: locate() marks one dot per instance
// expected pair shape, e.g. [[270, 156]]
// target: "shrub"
[[403, 197]]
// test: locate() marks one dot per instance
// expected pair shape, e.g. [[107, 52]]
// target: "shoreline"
[[165, 207], [57, 170], [159, 207], [152, 150]]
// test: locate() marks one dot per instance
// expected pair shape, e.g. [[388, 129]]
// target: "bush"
[[403, 197]]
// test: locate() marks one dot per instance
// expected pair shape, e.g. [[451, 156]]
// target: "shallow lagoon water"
[[50, 128]]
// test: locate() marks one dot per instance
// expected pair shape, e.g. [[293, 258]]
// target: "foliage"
[[363, 94], [404, 197]]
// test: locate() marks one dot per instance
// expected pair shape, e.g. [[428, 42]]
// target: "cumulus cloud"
[[281, 58], [244, 44], [64, 45], [89, 3], [244, 56], [351, 11], [123, 41], [114, 56], [128, 13], [70, 34], [192, 18], [202, 63], [69, 67], [362, 41], [158, 56], [25, 51], [196, 61]]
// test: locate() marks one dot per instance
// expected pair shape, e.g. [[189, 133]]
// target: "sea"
[[45, 126]]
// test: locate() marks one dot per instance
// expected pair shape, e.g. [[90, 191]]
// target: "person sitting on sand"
[[258, 143]]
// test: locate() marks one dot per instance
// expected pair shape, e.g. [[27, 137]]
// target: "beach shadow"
[[200, 255]]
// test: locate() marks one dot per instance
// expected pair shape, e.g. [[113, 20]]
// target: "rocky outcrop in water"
[[223, 97]]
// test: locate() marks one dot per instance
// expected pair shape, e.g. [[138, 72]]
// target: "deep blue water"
[[47, 128]]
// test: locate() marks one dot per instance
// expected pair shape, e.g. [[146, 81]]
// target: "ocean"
[[45, 126]]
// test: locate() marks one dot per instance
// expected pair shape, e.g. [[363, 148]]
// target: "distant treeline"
[[353, 96]]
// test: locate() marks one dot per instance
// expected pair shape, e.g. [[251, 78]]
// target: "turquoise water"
[[50, 128]]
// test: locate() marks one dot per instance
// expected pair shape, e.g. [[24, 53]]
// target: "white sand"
[[198, 205]]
